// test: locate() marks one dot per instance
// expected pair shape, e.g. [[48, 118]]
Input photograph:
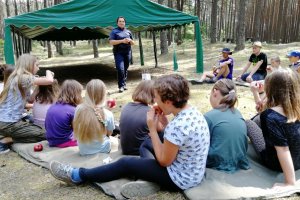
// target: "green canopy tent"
[[91, 19]]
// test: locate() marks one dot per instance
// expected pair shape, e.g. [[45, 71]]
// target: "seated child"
[[43, 97], [259, 61], [277, 142], [228, 132], [59, 117], [257, 87], [13, 98], [133, 119], [93, 124], [294, 57], [223, 69]]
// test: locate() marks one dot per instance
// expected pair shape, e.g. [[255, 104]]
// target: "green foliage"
[[190, 33], [67, 50], [204, 28]]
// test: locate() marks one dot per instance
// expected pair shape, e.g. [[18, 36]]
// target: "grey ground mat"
[[71, 156], [255, 183], [242, 83], [244, 184]]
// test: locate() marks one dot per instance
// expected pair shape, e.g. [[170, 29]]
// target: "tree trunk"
[[1, 19], [95, 49], [214, 11], [163, 43], [163, 37], [170, 31], [179, 34], [28, 5], [16, 8], [241, 25], [49, 48]]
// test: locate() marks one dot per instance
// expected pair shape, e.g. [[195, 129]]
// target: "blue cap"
[[293, 54], [226, 50]]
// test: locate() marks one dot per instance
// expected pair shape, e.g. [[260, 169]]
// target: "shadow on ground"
[[84, 73]]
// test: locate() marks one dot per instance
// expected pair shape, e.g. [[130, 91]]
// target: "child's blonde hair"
[[47, 94], [25, 65], [70, 92], [283, 89], [89, 121]]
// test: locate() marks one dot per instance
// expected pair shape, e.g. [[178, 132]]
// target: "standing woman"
[[13, 98], [121, 39]]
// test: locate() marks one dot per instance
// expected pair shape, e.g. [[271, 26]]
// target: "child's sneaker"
[[4, 148], [139, 189], [196, 82], [61, 172]]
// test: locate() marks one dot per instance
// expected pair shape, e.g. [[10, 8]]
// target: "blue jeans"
[[256, 76], [147, 169], [122, 63]]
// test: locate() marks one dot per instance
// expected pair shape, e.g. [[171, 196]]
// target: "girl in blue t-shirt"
[[93, 124]]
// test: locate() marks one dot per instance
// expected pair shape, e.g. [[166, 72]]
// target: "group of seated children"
[[173, 154], [191, 142], [224, 67], [59, 115]]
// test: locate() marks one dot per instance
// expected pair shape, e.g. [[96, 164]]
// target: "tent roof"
[[93, 19]]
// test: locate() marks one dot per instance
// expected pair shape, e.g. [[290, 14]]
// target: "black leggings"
[[141, 168]]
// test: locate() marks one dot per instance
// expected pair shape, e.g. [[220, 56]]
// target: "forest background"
[[224, 23]]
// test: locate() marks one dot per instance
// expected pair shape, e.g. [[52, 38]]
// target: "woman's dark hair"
[[121, 17]]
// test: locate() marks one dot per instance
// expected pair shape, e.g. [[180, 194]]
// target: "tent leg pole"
[[15, 44], [141, 49], [19, 44], [154, 48]]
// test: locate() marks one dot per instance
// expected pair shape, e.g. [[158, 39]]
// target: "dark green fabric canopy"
[[93, 19]]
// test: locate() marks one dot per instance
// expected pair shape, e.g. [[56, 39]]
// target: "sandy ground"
[[20, 179]]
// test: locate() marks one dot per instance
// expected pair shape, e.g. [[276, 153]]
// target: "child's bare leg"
[[206, 75], [224, 71]]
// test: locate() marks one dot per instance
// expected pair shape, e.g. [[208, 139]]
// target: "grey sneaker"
[[61, 171], [4, 148], [139, 189], [196, 82]]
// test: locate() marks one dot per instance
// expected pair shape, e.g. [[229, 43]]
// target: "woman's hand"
[[126, 40]]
